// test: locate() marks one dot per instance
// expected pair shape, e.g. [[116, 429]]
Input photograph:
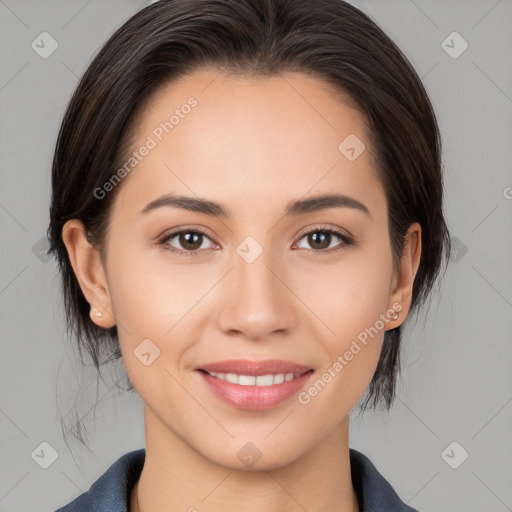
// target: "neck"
[[177, 477]]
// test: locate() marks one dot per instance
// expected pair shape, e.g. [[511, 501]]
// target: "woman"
[[247, 206]]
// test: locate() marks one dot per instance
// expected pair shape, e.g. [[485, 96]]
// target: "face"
[[310, 283]]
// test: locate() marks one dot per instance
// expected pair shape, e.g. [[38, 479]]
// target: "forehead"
[[244, 140]]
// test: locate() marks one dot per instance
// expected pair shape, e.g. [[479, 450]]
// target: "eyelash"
[[347, 241]]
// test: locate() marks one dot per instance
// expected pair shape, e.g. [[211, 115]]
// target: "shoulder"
[[374, 492], [111, 491]]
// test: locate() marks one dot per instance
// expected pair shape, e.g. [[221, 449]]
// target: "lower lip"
[[254, 398]]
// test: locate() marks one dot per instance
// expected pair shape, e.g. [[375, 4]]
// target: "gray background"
[[457, 379]]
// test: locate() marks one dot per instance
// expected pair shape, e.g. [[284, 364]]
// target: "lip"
[[254, 368], [254, 398]]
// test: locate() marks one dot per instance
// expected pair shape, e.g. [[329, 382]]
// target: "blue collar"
[[111, 492]]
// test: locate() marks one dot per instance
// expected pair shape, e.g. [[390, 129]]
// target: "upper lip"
[[254, 368]]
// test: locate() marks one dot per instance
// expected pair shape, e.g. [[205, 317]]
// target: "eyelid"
[[346, 239], [322, 227], [187, 229]]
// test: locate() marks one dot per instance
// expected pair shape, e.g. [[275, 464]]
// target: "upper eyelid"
[[173, 233], [325, 228]]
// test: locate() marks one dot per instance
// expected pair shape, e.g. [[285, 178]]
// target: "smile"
[[254, 392], [251, 380]]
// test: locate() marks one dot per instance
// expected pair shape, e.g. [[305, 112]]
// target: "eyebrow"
[[294, 208]]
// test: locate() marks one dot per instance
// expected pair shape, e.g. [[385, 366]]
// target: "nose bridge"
[[256, 301], [253, 274]]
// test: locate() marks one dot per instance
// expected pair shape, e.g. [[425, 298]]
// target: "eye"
[[191, 241], [322, 238]]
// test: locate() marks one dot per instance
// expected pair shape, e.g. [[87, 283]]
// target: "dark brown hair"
[[328, 39]]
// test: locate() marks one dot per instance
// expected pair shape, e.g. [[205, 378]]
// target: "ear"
[[88, 267], [403, 280]]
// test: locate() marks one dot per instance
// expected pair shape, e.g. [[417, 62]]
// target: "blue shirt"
[[111, 492]]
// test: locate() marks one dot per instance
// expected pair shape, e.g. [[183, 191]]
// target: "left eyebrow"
[[294, 208], [323, 203]]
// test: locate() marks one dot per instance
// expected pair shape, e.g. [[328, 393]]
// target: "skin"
[[253, 146]]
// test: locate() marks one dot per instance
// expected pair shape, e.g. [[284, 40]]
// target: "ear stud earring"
[[395, 316], [98, 313]]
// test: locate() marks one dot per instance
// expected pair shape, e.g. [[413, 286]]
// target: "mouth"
[[269, 379], [250, 367], [254, 385]]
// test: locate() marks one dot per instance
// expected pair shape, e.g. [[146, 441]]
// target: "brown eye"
[[322, 239], [188, 241]]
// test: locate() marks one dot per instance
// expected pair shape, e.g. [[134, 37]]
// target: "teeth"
[[250, 380]]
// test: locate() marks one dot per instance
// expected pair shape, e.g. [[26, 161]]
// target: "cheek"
[[351, 302], [150, 294], [153, 305], [352, 345], [350, 295]]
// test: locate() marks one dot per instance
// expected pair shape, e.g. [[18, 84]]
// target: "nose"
[[257, 301]]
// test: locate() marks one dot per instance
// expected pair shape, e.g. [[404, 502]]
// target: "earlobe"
[[88, 268], [408, 267]]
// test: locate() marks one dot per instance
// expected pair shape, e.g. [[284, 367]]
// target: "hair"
[[327, 39]]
